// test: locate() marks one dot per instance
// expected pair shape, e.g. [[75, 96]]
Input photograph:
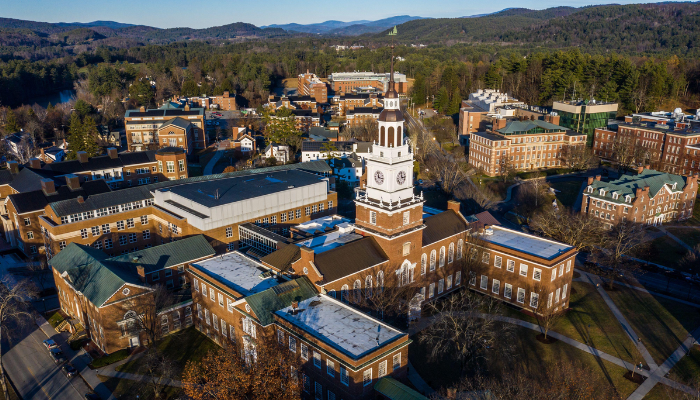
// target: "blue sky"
[[202, 14]]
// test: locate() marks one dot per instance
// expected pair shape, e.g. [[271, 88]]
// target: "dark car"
[[57, 356], [69, 370], [92, 396]]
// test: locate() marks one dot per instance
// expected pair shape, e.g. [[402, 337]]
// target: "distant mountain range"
[[352, 28]]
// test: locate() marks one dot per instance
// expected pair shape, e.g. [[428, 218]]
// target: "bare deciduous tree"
[[459, 331], [146, 317], [482, 196], [578, 157], [15, 307], [40, 272], [619, 244], [444, 170], [159, 370], [578, 230], [548, 312]]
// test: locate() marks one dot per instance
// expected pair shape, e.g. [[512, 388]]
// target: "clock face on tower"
[[379, 177], [401, 177]]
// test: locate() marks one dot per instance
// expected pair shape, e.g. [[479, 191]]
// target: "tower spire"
[[391, 75]]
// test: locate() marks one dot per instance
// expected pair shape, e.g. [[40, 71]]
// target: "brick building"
[[524, 145], [130, 219], [347, 82], [666, 147], [649, 196], [104, 295], [309, 84], [166, 127]]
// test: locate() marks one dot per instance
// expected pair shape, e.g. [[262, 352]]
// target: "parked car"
[[57, 356], [92, 396], [69, 370], [50, 344]]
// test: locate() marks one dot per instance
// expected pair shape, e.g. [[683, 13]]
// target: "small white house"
[[246, 144], [280, 152], [348, 169]]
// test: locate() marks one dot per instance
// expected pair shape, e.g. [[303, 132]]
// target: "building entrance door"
[[134, 341]]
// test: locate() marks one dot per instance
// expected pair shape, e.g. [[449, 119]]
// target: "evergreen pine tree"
[[442, 100], [11, 124], [455, 102]]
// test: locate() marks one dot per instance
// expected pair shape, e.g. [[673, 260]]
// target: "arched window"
[[380, 280], [398, 132], [390, 141], [332, 293], [382, 139], [344, 295], [164, 319], [368, 286], [442, 256], [451, 253], [423, 264], [130, 314], [432, 260], [357, 289], [460, 244]]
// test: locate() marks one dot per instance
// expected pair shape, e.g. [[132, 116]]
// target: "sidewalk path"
[[672, 236], [79, 360], [136, 377], [596, 281], [209, 168]]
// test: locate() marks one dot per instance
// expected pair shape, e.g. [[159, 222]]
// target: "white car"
[[50, 344]]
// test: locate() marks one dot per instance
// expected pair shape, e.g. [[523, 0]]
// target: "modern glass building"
[[584, 116]]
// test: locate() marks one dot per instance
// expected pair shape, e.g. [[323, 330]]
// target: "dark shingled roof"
[[178, 122], [283, 258], [349, 259], [102, 162], [36, 200], [29, 179], [276, 298], [441, 226]]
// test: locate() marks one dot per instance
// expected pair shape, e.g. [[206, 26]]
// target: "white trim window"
[[330, 367], [568, 266], [536, 274], [441, 285], [451, 253], [372, 217], [556, 296], [307, 383], [534, 299], [344, 378], [367, 377], [423, 264], [317, 359], [496, 286], [523, 270], [196, 285], [549, 299], [561, 270], [497, 260], [484, 282], [442, 256], [431, 290], [554, 274], [472, 278], [381, 370], [396, 361], [563, 291], [432, 260], [304, 352], [458, 278], [318, 391], [521, 295], [449, 282], [280, 336], [507, 290], [485, 257], [510, 266]]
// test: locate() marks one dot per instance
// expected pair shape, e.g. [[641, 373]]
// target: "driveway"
[[209, 168]]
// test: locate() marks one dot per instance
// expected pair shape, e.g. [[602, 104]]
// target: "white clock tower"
[[389, 172]]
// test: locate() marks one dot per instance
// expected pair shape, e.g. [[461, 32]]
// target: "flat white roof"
[[340, 326], [238, 271], [320, 224], [525, 243]]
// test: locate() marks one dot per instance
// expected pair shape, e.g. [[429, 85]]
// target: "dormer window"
[[590, 189], [674, 184], [602, 192], [615, 196], [628, 199]]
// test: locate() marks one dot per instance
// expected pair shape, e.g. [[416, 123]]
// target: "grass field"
[[186, 345], [568, 191], [590, 320], [530, 355], [687, 370], [665, 251], [125, 389], [662, 324], [691, 237]]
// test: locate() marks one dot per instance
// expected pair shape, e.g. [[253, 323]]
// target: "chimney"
[[646, 189], [48, 186], [187, 107], [307, 256], [226, 93], [73, 182], [638, 193], [81, 200], [647, 166], [142, 109], [112, 152], [590, 180], [453, 205], [141, 272], [13, 167], [35, 163], [43, 156], [640, 169], [65, 146], [498, 123], [82, 157], [597, 177]]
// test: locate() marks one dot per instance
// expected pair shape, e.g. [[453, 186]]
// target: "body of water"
[[63, 96]]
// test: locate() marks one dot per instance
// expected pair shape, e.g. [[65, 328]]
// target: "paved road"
[[33, 372]]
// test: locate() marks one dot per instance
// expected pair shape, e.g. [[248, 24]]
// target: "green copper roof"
[[98, 277], [627, 184], [523, 127], [395, 390], [276, 298]]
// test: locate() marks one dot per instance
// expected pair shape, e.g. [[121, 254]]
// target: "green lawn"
[[589, 320], [691, 237], [55, 319], [687, 370], [530, 355], [186, 345], [665, 251], [662, 324], [109, 359], [125, 389], [568, 191]]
